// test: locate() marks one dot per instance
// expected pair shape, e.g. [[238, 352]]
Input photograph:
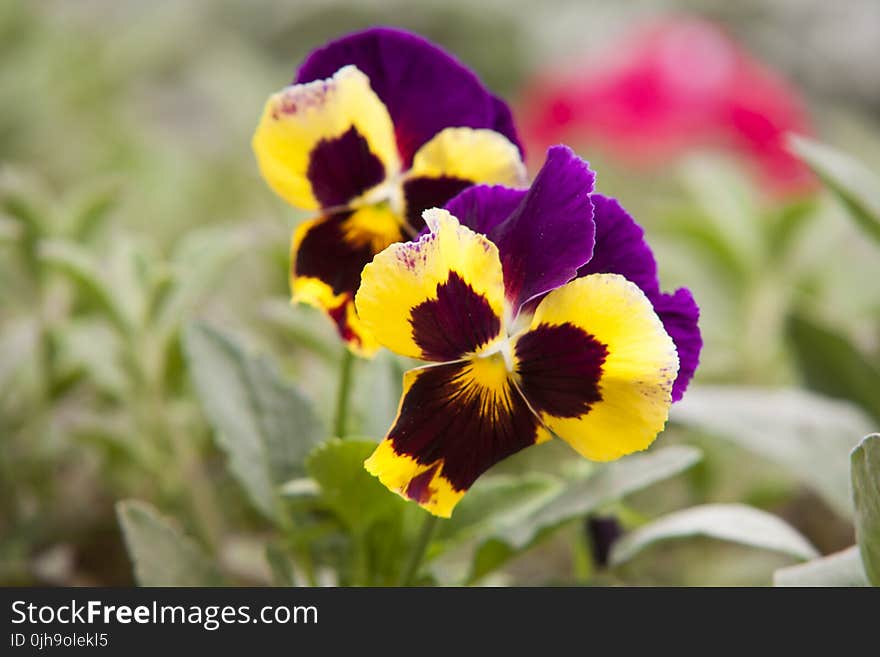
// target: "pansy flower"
[[536, 319], [378, 126]]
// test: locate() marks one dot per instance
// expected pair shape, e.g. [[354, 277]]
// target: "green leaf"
[[199, 259], [728, 206], [785, 224], [692, 230], [578, 497], [161, 554], [490, 556], [376, 392], [832, 366], [606, 484], [90, 206], [807, 434], [81, 267], [27, 200], [736, 523], [90, 345], [352, 493], [263, 424], [496, 501], [10, 230], [866, 496], [128, 273], [304, 326], [849, 179], [17, 344], [280, 565], [838, 569]]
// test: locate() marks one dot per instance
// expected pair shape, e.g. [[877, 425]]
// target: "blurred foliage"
[[133, 226]]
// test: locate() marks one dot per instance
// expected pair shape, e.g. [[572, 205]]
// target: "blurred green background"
[[131, 204]]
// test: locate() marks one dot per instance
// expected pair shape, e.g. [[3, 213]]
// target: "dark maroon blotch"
[[458, 321], [446, 418], [559, 368], [339, 315], [423, 193], [343, 168], [419, 488], [327, 255]]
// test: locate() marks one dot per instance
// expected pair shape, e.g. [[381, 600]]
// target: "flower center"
[[374, 225], [490, 370], [389, 191], [500, 354]]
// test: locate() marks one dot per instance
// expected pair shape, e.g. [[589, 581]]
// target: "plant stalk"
[[418, 553], [346, 367]]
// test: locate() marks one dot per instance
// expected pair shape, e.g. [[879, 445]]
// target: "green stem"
[[361, 562], [340, 424], [308, 565], [418, 553], [582, 555]]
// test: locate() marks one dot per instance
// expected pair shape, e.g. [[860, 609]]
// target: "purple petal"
[[424, 88], [483, 207], [551, 233], [504, 122], [680, 315], [621, 247]]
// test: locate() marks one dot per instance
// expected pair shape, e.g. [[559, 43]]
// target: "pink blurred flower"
[[670, 87]]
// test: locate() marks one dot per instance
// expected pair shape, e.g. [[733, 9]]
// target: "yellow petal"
[[624, 383], [435, 299], [327, 256], [301, 117], [397, 471], [455, 421], [480, 156]]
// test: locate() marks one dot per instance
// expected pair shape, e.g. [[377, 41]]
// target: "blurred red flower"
[[670, 87]]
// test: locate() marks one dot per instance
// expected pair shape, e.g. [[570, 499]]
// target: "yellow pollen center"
[[375, 225], [389, 193], [489, 371]]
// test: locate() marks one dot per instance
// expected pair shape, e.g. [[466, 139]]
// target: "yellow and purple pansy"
[[540, 315], [377, 127]]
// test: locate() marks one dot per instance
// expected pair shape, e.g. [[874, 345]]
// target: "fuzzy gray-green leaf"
[[262, 422], [160, 553], [808, 434], [838, 569], [849, 179], [866, 496], [736, 523]]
